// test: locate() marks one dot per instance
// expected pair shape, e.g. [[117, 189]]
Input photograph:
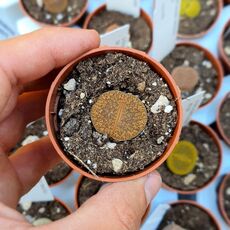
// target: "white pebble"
[[60, 112], [69, 9], [41, 221], [189, 179], [90, 101], [186, 63], [212, 12], [117, 164], [228, 191], [45, 133], [168, 109], [208, 95], [161, 102], [26, 205], [48, 16], [39, 3], [70, 85], [82, 95], [154, 84], [209, 2], [30, 139], [59, 17], [66, 138], [160, 139], [95, 165], [58, 210], [88, 162], [108, 83], [207, 64], [206, 146], [111, 145], [227, 50], [41, 210]]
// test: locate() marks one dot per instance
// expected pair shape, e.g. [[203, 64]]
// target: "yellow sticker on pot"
[[183, 158], [190, 8]]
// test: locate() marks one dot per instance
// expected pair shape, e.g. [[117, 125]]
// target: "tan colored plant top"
[[185, 77], [112, 27], [55, 6], [122, 116]]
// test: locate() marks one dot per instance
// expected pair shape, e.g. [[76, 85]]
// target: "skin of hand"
[[27, 66]]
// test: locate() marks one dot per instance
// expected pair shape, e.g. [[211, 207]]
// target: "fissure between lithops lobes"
[[89, 80]]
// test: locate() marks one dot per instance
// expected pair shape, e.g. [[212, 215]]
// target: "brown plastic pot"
[[143, 14], [193, 203], [224, 58], [219, 126], [77, 187], [52, 101], [62, 180], [73, 21], [201, 34], [214, 61], [221, 199], [215, 138]]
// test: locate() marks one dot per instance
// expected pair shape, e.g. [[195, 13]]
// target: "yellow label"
[[190, 8], [183, 158]]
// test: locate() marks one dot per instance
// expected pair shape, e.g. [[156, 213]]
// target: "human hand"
[[27, 66]]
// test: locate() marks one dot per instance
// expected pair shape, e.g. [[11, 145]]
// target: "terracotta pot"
[[63, 204], [224, 58], [214, 61], [73, 21], [143, 14], [221, 199], [62, 180], [215, 138], [193, 203], [201, 34], [219, 126], [51, 114], [77, 187]]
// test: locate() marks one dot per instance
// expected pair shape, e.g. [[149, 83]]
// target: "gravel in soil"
[[187, 216], [226, 196], [192, 57], [79, 139], [225, 116], [87, 189], [206, 18], [206, 165], [52, 210], [140, 32], [36, 9], [227, 42]]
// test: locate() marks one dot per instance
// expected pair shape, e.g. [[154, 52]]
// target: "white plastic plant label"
[[166, 17], [119, 37], [40, 192], [190, 106], [131, 7]]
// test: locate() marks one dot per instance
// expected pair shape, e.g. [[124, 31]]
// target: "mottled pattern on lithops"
[[122, 116], [55, 6]]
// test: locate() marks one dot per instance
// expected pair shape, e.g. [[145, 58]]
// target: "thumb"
[[117, 206]]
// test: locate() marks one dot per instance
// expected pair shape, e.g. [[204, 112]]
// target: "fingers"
[[30, 107], [32, 161], [117, 206], [32, 56]]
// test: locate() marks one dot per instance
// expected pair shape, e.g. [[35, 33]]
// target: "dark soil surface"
[[206, 18], [206, 165], [87, 189], [52, 210], [140, 32], [189, 217], [227, 42], [76, 134], [193, 57], [39, 13], [34, 132], [226, 196], [225, 116]]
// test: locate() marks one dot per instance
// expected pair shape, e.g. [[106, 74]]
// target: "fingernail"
[[152, 185]]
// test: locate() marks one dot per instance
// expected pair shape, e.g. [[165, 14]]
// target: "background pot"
[[201, 34], [214, 61], [62, 180], [219, 126], [51, 108], [221, 199], [73, 21], [215, 138], [77, 187], [225, 60], [143, 14], [189, 202]]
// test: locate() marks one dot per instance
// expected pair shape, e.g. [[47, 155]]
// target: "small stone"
[[59, 17], [70, 85], [41, 210], [45, 133], [141, 86], [207, 64], [90, 101], [185, 77], [66, 138], [206, 146], [39, 3], [207, 95], [82, 95], [48, 16], [228, 191], [154, 84], [26, 205], [186, 63], [189, 179], [60, 113], [41, 221], [69, 9], [161, 102], [88, 162], [58, 210], [94, 165], [213, 12], [227, 50], [111, 145], [117, 164], [160, 139], [30, 139], [200, 165], [108, 83], [209, 2], [168, 109]]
